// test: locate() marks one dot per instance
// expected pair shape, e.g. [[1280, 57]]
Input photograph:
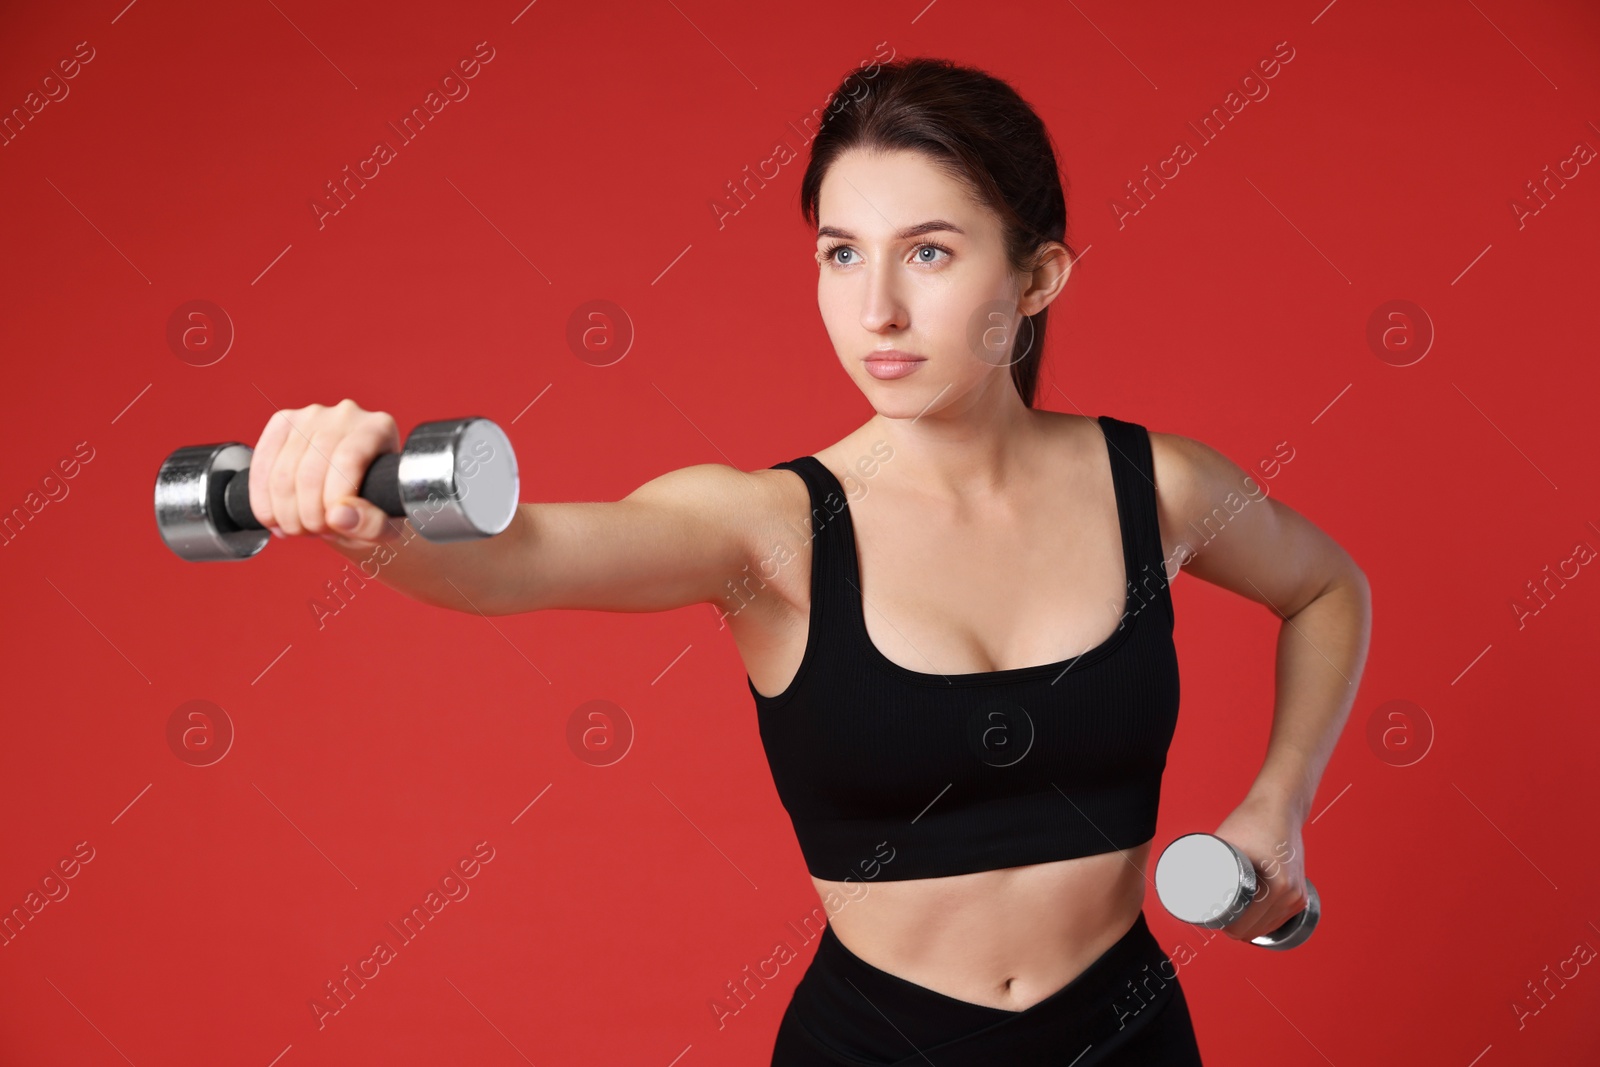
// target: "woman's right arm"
[[676, 540]]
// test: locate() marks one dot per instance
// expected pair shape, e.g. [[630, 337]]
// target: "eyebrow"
[[931, 226]]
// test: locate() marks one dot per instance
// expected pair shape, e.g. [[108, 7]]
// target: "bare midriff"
[[1006, 938]]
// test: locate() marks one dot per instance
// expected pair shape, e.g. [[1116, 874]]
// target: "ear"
[[1045, 283]]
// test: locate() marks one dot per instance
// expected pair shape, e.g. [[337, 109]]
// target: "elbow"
[[1347, 583], [1350, 576], [1353, 584], [1358, 581]]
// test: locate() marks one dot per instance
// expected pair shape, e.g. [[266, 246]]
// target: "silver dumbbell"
[[1202, 879], [456, 479]]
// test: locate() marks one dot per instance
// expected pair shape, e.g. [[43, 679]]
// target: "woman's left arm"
[[1221, 525]]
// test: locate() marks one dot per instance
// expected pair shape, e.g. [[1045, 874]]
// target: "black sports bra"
[[889, 773]]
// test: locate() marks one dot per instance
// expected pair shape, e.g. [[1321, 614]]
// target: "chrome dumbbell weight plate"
[[1204, 880], [189, 490], [458, 479]]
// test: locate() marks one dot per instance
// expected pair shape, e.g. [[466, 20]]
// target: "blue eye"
[[829, 253]]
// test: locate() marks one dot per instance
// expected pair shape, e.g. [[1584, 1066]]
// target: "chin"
[[908, 403]]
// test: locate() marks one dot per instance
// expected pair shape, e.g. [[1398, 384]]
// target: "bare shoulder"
[[1182, 465], [1221, 523], [1192, 479], [779, 505], [751, 504], [776, 519]]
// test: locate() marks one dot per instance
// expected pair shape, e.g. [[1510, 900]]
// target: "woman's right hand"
[[306, 471]]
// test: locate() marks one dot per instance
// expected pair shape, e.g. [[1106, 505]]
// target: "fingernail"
[[343, 516], [276, 532]]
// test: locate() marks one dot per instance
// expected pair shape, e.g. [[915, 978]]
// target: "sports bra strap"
[[831, 539], [1133, 475]]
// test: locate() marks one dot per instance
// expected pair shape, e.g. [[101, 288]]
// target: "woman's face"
[[909, 262]]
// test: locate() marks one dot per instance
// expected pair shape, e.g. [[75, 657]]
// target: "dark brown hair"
[[978, 130]]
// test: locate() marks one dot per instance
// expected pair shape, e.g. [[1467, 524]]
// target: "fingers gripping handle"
[[380, 486]]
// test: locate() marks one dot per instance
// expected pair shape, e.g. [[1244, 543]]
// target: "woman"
[[963, 664]]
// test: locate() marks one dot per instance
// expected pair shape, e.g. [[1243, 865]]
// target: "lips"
[[888, 364]]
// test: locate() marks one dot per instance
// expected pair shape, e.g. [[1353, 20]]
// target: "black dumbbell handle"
[[379, 486]]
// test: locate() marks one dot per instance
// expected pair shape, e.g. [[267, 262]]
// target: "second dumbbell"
[[1204, 880]]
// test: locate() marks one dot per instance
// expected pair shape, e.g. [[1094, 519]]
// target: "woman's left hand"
[[1268, 832]]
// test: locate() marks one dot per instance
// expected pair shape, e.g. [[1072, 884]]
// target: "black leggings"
[[1126, 1008]]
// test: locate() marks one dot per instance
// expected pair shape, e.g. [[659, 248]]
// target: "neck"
[[973, 449]]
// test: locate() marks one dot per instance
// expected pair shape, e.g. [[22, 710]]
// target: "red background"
[[372, 754]]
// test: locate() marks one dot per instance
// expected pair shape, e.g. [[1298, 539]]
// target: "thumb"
[[358, 519]]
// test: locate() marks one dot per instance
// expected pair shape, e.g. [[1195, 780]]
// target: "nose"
[[883, 305]]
